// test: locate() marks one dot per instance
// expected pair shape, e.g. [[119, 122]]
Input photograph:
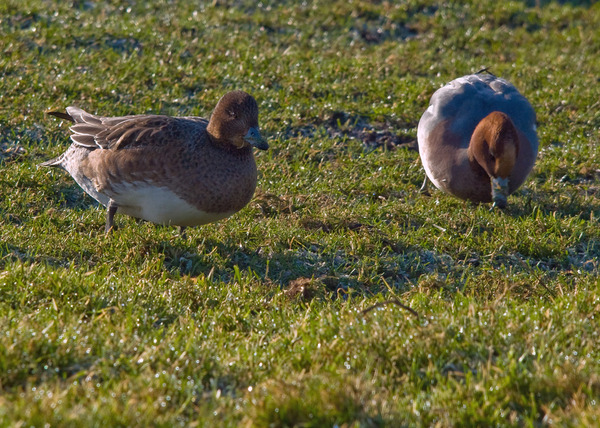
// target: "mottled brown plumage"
[[184, 171]]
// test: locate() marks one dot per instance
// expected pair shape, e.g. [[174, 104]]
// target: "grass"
[[268, 318]]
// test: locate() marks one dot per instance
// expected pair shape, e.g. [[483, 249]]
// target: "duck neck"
[[476, 166], [226, 145], [494, 145]]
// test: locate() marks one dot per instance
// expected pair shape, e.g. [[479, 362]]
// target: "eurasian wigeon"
[[184, 171], [477, 140]]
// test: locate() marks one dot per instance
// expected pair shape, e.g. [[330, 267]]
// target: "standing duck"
[[184, 171], [478, 140]]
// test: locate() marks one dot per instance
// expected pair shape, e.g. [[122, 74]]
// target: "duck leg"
[[182, 232], [111, 209], [425, 188]]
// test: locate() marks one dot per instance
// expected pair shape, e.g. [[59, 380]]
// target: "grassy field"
[[287, 313]]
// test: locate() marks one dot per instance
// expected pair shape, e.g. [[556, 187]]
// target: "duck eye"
[[232, 114]]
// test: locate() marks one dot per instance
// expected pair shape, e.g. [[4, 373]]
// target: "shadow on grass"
[[221, 260], [544, 204], [342, 125], [12, 253], [538, 3], [71, 196], [302, 272]]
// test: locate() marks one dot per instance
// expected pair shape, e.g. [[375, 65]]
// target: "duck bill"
[[499, 192], [254, 138]]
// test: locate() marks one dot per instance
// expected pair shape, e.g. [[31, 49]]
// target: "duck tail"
[[53, 162], [485, 70], [57, 160], [61, 115]]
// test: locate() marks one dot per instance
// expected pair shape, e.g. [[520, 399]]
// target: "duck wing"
[[468, 99], [117, 133]]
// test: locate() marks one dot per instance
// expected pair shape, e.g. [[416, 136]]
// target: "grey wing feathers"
[[468, 99], [82, 116]]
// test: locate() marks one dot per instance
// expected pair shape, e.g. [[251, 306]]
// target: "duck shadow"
[[68, 194], [13, 253], [538, 3], [534, 204], [279, 269]]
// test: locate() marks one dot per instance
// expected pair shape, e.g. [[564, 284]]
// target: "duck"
[[478, 140], [180, 171]]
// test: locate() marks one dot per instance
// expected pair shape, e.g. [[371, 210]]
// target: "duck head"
[[494, 147], [235, 121]]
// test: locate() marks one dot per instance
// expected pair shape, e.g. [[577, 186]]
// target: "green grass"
[[263, 319]]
